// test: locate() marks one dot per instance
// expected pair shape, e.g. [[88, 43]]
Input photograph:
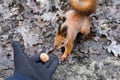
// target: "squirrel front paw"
[[63, 57]]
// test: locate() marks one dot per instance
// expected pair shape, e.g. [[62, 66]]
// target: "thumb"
[[19, 56]]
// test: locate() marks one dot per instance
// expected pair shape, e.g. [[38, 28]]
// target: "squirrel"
[[77, 20]]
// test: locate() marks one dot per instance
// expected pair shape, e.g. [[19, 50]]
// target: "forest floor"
[[34, 23]]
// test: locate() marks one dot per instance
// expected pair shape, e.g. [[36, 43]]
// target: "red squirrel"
[[77, 20]]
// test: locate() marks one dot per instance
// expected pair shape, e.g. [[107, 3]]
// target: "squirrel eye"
[[62, 43]]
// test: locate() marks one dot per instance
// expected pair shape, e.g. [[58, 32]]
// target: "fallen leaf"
[[114, 48], [29, 37], [47, 16], [116, 33]]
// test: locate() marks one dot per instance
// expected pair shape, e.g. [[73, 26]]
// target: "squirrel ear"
[[64, 31], [59, 29]]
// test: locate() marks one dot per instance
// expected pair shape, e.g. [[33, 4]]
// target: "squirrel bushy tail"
[[86, 7]]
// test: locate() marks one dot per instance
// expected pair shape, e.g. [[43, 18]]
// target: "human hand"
[[32, 68]]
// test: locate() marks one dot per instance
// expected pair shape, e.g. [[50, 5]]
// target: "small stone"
[[96, 66]]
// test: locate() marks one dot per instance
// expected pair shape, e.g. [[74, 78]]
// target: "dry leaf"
[[47, 16], [29, 37], [114, 48]]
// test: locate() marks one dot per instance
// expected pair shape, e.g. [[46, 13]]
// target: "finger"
[[36, 58], [51, 58], [52, 67], [17, 47], [19, 55], [47, 63]]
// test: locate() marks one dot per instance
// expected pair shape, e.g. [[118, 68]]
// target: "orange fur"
[[84, 6], [76, 21]]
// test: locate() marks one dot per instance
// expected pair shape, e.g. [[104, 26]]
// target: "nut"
[[44, 57]]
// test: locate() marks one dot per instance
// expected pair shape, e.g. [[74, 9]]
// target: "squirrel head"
[[60, 38]]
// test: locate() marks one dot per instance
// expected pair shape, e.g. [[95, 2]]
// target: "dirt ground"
[[34, 23]]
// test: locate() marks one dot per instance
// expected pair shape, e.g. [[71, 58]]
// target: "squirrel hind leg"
[[85, 27], [85, 31]]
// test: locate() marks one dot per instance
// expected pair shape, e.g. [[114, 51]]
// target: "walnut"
[[44, 57]]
